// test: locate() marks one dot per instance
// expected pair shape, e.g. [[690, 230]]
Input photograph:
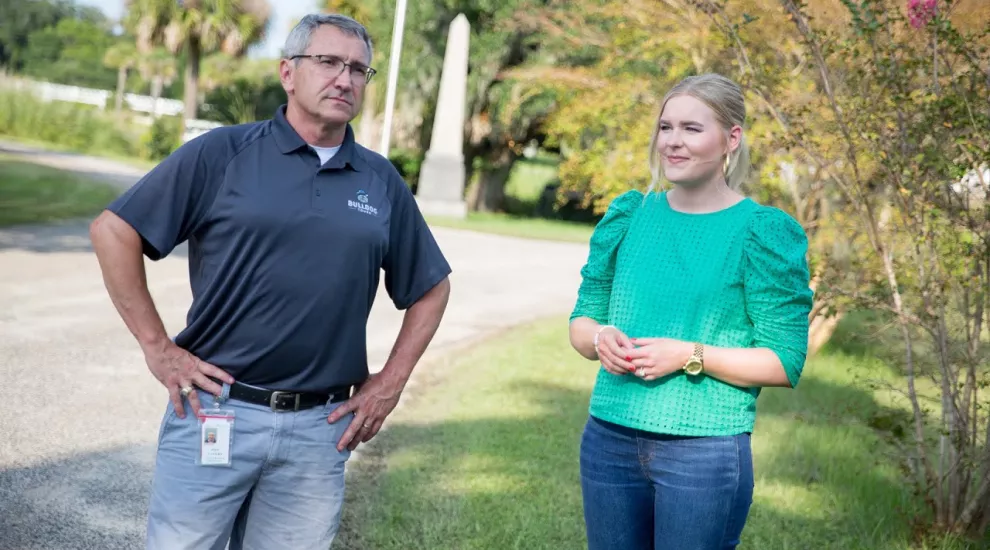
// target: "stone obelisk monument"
[[441, 179]]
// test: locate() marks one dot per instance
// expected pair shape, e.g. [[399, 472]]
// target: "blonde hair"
[[725, 98]]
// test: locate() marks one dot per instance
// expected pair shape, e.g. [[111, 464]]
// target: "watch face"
[[693, 367]]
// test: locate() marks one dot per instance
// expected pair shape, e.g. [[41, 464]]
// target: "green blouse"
[[736, 278]]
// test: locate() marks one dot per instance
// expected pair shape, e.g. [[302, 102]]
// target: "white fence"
[[48, 91]]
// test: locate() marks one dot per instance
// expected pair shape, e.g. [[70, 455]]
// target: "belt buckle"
[[274, 401]]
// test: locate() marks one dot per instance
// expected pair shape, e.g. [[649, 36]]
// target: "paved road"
[[79, 413], [119, 174]]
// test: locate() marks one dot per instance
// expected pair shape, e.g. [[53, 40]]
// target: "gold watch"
[[696, 364]]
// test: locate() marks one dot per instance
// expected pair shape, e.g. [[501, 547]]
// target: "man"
[[289, 223]]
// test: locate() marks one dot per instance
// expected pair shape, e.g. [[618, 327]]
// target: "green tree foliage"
[[610, 64], [71, 52], [197, 27], [18, 20], [57, 42]]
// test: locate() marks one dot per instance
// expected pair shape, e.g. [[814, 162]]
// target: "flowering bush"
[[920, 12]]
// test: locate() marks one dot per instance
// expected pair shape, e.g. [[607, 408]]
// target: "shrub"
[[407, 162], [163, 137]]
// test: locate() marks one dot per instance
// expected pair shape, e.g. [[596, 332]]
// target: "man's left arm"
[[419, 324], [416, 278]]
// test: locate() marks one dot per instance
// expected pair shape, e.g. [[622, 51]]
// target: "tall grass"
[[81, 128]]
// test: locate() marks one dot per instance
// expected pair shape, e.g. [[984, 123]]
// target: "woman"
[[692, 299]]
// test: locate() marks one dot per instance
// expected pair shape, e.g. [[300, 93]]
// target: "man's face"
[[322, 88]]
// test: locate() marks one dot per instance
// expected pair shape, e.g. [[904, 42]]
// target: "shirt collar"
[[289, 141]]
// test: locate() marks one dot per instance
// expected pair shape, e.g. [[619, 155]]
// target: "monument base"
[[440, 191], [443, 209]]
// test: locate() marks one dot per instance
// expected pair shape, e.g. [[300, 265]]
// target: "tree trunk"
[[821, 330], [488, 194], [822, 320], [157, 83], [121, 85], [191, 94]]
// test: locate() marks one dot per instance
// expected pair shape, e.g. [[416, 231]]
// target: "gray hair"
[[300, 36], [725, 98]]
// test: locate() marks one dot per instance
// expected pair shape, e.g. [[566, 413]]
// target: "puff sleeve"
[[776, 280], [596, 276]]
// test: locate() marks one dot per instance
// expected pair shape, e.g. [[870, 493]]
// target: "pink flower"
[[920, 12]]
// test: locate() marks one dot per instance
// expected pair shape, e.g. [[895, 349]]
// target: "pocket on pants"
[[166, 422]]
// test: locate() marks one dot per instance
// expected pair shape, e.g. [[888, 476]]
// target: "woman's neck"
[[702, 199]]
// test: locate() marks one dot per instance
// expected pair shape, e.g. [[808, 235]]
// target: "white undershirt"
[[325, 153]]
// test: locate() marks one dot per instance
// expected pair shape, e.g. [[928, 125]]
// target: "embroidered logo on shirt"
[[361, 204]]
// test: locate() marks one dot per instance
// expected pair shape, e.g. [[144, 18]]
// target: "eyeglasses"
[[334, 65]]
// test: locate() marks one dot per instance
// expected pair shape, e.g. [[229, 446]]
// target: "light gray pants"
[[284, 488]]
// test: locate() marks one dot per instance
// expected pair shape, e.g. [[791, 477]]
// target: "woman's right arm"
[[582, 333], [591, 312], [613, 345]]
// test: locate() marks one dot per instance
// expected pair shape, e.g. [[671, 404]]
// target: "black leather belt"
[[280, 401]]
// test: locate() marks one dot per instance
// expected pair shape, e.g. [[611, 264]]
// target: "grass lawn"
[[529, 176], [30, 193], [484, 456], [515, 226]]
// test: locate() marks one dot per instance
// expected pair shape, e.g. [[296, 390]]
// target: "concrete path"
[[119, 174], [79, 412]]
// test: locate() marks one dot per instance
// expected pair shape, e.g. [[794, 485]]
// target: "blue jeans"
[[646, 491], [284, 488]]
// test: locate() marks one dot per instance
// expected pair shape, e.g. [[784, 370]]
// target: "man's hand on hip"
[[179, 370], [371, 404]]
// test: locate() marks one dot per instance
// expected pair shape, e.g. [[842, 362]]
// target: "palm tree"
[[200, 27], [217, 70], [359, 10], [121, 56], [158, 68]]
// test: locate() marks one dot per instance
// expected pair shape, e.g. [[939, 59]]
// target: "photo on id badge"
[[215, 431]]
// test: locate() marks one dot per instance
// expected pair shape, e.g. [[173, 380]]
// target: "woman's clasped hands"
[[647, 358]]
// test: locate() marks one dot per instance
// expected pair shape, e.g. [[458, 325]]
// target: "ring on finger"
[[641, 372], [185, 391]]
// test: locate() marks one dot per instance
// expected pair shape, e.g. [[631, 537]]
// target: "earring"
[[725, 167]]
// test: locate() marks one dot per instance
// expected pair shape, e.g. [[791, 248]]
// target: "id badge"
[[216, 429]]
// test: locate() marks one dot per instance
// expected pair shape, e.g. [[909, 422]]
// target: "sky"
[[283, 16]]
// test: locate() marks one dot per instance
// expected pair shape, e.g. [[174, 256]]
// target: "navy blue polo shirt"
[[284, 254]]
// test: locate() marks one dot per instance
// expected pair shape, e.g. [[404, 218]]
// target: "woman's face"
[[692, 144]]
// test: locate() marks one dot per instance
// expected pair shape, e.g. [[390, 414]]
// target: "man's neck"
[[314, 132]]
